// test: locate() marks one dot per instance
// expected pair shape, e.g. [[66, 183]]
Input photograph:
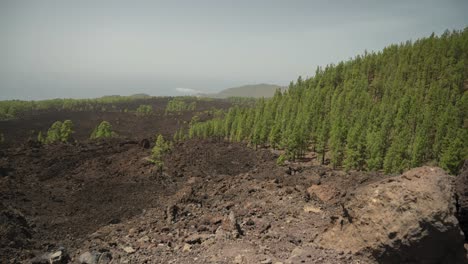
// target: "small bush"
[[145, 109], [66, 131], [103, 130], [58, 132], [179, 105], [161, 148]]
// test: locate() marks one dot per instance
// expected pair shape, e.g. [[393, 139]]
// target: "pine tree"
[[66, 131], [391, 110], [103, 130], [53, 134], [161, 148], [452, 157]]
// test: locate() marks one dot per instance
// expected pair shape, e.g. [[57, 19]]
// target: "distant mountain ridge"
[[251, 90]]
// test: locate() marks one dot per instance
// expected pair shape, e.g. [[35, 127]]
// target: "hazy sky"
[[83, 48]]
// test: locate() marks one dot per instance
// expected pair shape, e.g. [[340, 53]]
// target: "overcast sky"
[[51, 49]]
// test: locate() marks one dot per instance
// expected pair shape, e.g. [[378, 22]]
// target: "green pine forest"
[[402, 107]]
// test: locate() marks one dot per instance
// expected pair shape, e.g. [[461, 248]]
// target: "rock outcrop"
[[462, 198], [405, 219]]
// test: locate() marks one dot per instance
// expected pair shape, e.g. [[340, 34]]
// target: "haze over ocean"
[[89, 48]]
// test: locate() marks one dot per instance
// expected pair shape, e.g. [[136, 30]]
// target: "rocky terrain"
[[219, 202]]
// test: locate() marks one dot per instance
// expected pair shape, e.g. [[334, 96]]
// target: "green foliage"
[[144, 109], [53, 134], [58, 132], [391, 110], [179, 105], [456, 151], [242, 101], [161, 148], [41, 138], [103, 130], [179, 135], [66, 131], [281, 160]]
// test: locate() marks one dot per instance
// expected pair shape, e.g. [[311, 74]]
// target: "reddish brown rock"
[[404, 219]]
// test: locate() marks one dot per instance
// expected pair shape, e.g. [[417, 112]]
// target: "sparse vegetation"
[[178, 105], [13, 108]]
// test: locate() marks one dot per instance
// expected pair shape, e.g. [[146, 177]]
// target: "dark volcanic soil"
[[216, 203]]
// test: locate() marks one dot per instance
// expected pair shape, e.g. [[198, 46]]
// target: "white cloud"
[[187, 90]]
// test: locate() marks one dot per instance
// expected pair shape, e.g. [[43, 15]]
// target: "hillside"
[[297, 178], [253, 90], [399, 108]]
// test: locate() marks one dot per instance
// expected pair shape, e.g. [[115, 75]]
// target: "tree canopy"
[[103, 130], [58, 132], [393, 109]]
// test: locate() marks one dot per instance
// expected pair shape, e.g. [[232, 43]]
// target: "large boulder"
[[404, 219]]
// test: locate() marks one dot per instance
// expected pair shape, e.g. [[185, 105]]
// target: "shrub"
[[103, 130], [53, 134], [144, 109], [179, 105], [58, 132], [161, 148], [66, 131]]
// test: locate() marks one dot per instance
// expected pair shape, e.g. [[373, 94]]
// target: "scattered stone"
[[144, 239], [239, 259], [231, 226], [105, 258], [88, 258], [311, 209], [129, 250], [296, 252], [197, 238], [58, 257], [187, 248]]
